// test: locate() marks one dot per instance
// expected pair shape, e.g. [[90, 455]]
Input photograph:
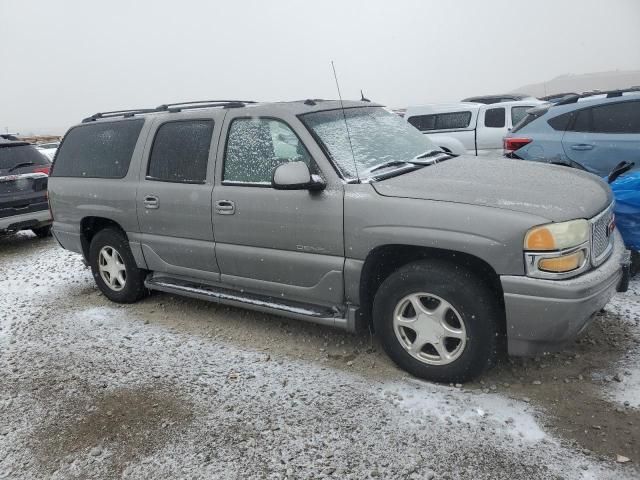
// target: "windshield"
[[377, 136]]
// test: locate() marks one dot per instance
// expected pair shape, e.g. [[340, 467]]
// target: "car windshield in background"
[[12, 156], [377, 137]]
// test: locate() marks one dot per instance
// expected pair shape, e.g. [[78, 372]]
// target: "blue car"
[[593, 132]]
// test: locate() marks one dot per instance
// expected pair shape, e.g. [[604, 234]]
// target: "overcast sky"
[[63, 60]]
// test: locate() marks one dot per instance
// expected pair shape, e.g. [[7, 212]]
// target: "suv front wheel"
[[114, 269], [437, 321]]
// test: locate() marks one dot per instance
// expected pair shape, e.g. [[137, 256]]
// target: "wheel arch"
[[383, 260], [91, 225]]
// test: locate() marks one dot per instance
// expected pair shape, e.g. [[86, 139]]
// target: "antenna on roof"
[[363, 98], [344, 116]]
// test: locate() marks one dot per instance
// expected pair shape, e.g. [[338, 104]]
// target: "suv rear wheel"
[[114, 268], [437, 321]]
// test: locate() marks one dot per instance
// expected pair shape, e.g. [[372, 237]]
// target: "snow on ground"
[[627, 307], [97, 390]]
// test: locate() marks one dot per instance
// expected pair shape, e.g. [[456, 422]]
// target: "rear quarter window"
[[441, 121], [561, 122], [99, 150]]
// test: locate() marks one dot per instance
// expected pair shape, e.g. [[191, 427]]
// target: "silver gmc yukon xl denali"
[[344, 215]]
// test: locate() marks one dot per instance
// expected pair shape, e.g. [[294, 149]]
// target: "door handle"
[[151, 202], [225, 207], [582, 146]]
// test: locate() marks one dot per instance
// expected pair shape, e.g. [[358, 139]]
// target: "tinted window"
[[623, 117], [180, 151], [582, 121], [27, 155], [561, 122], [518, 113], [100, 150], [256, 146], [494, 117], [441, 121]]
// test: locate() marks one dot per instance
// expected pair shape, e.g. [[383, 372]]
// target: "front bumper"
[[26, 221], [543, 315]]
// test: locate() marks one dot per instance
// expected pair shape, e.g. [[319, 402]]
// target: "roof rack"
[[177, 107], [609, 93], [117, 113], [169, 107]]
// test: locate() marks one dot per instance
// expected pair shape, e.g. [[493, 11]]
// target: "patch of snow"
[[627, 307], [446, 404]]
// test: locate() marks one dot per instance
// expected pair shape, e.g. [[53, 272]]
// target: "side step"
[[296, 310]]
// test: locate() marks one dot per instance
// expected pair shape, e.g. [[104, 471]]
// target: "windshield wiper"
[[433, 153], [20, 165], [392, 163]]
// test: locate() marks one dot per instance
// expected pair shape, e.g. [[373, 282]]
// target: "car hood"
[[553, 192]]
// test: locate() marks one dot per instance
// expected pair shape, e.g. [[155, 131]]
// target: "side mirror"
[[295, 176]]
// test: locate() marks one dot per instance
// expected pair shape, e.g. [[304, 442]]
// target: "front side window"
[[494, 117], [377, 136], [98, 150], [257, 146], [180, 151]]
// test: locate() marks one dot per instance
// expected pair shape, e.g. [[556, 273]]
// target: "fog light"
[[565, 263]]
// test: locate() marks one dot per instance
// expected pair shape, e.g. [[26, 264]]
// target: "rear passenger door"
[[492, 127], [174, 199], [602, 136]]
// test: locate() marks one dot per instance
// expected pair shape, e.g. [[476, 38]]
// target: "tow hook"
[[625, 263]]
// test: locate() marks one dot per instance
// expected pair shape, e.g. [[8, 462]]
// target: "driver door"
[[286, 244]]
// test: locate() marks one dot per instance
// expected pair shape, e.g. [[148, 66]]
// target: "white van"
[[466, 127]]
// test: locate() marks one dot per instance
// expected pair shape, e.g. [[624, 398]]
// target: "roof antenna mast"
[[344, 116]]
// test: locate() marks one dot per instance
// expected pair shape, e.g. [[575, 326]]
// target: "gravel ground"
[[177, 388]]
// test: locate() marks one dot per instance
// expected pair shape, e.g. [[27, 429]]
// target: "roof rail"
[[609, 94], [117, 113], [169, 107], [177, 107]]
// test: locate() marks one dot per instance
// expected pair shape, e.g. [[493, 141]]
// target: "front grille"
[[601, 236]]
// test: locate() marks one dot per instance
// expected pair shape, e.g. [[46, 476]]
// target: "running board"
[[296, 310]]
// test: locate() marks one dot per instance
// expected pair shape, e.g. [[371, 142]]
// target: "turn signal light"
[[565, 263]]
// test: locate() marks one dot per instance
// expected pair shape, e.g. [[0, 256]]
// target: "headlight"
[[557, 236], [557, 250]]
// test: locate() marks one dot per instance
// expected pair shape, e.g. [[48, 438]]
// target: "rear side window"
[[441, 121], [622, 117], [180, 151], [494, 117], [99, 150]]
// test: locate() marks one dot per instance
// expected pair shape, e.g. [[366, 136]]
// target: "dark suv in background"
[[24, 173]]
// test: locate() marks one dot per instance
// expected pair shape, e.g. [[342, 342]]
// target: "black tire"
[[133, 288], [474, 303], [42, 232], [635, 263]]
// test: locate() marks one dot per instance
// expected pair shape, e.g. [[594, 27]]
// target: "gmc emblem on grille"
[[611, 227]]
